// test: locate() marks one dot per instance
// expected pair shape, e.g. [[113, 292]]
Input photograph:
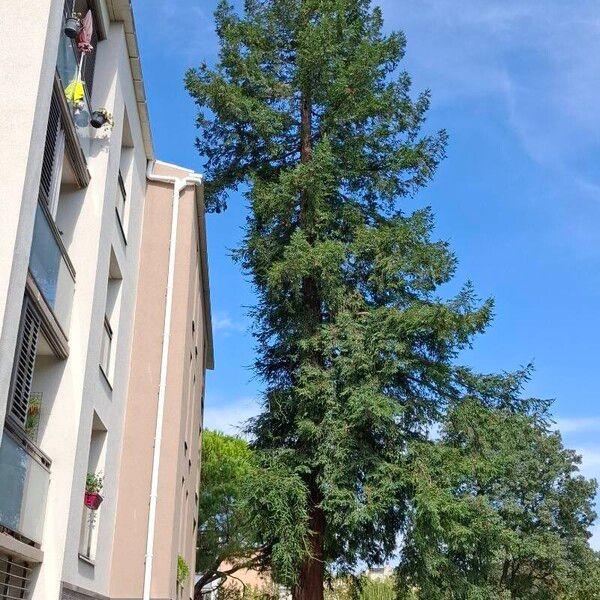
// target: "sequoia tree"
[[308, 108]]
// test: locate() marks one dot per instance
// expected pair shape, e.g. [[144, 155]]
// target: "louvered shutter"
[[29, 330], [14, 578], [50, 150]]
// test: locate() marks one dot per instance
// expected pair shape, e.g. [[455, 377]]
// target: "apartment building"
[[173, 217], [104, 314]]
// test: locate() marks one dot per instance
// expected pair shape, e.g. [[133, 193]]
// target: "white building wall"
[[113, 88], [28, 46], [81, 388]]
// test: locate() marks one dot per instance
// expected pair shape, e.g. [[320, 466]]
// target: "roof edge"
[[204, 274], [122, 11], [190, 177]]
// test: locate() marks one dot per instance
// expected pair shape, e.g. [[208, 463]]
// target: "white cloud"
[[531, 66], [229, 417], [578, 424], [590, 467], [223, 321], [540, 58]]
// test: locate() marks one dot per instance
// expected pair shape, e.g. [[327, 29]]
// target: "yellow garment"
[[75, 91]]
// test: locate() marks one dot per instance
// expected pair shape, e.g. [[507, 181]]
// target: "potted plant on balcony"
[[102, 118], [93, 485], [33, 416], [183, 570], [73, 25]]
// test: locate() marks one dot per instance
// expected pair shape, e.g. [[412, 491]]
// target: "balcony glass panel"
[[24, 489], [71, 73], [50, 270]]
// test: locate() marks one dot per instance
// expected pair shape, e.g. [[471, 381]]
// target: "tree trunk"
[[310, 584], [312, 570]]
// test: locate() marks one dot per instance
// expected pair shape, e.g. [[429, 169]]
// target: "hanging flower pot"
[[72, 26], [100, 118], [92, 500], [93, 484]]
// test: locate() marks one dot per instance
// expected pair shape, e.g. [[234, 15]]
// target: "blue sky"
[[517, 85]]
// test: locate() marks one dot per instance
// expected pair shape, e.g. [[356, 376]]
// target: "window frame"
[[106, 352], [121, 205]]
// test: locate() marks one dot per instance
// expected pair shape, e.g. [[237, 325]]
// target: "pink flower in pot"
[[93, 484]]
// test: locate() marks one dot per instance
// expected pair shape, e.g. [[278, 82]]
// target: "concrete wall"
[[80, 401], [28, 45], [97, 235], [29, 37], [179, 464]]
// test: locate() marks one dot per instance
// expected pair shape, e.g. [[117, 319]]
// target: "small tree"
[[499, 510], [242, 498], [223, 532]]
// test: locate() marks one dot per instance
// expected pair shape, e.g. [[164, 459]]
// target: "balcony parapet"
[[51, 268], [25, 476]]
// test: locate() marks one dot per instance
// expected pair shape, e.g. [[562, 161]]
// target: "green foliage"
[[586, 582], [243, 497], [361, 588], [32, 423], [94, 482], [222, 531], [183, 570], [234, 592], [275, 501], [498, 510], [357, 343]]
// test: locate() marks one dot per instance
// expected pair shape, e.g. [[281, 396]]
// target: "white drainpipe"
[[179, 184]]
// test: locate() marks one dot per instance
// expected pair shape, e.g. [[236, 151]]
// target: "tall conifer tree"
[[308, 107]]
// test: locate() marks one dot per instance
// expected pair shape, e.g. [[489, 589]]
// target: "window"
[[90, 520], [14, 577], [86, 62], [121, 203], [125, 178], [106, 347], [34, 374], [111, 317], [74, 82]]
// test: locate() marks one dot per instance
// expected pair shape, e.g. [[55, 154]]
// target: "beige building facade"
[[104, 318], [173, 229]]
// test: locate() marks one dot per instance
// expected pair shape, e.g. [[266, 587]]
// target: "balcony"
[[51, 268], [25, 476], [72, 75]]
